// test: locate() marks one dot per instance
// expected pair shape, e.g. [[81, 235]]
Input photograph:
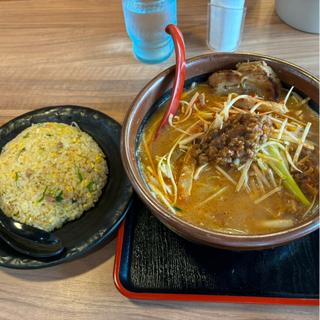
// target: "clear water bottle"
[[146, 21]]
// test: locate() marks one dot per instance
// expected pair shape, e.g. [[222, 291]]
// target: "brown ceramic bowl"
[[198, 69]]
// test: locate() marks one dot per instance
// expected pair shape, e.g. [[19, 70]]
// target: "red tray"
[[123, 268]]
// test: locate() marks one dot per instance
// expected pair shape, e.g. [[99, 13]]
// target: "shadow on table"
[[68, 269]]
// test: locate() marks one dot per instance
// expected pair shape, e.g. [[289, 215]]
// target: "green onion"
[[16, 176], [283, 172], [177, 209], [26, 135], [59, 196], [43, 194], [79, 174], [23, 149], [90, 186]]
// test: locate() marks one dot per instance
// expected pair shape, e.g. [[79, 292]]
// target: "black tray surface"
[[155, 260]]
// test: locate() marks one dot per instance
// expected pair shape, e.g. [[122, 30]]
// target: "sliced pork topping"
[[254, 78], [226, 81]]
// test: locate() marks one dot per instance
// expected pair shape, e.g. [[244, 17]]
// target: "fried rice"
[[50, 174]]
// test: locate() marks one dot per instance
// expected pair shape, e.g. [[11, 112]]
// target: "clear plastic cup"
[[146, 21], [225, 25]]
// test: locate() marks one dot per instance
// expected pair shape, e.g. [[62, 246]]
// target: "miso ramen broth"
[[235, 163]]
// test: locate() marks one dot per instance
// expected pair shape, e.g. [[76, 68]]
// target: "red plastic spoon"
[[180, 74]]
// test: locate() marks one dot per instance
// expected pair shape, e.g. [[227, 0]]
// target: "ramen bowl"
[[148, 101]]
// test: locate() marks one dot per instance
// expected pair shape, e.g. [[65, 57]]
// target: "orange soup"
[[235, 162]]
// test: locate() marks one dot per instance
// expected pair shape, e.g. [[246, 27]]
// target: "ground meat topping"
[[29, 173], [235, 143], [308, 179]]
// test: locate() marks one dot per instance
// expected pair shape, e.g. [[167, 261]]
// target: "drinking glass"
[[225, 24], [145, 22]]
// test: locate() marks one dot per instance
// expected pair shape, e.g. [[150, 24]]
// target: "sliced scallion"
[[283, 172], [43, 194], [59, 196], [80, 177], [90, 186]]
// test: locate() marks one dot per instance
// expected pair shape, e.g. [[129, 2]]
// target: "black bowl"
[[96, 225]]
